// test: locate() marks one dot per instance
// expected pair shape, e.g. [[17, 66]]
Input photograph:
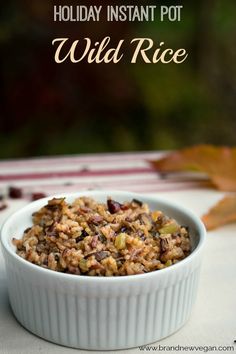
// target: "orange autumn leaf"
[[222, 213], [219, 163]]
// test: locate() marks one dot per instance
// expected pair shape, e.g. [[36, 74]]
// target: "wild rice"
[[96, 239]]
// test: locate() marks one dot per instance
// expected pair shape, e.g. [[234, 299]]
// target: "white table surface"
[[213, 320]]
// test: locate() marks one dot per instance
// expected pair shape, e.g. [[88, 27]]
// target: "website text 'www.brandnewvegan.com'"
[[187, 348]]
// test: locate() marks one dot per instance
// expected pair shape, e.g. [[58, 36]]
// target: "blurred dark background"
[[48, 108]]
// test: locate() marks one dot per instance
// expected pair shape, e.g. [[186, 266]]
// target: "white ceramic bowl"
[[96, 312]]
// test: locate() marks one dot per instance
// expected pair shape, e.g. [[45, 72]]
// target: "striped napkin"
[[113, 171]]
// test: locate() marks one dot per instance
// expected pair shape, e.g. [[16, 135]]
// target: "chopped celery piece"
[[120, 241], [170, 228], [168, 263], [83, 265]]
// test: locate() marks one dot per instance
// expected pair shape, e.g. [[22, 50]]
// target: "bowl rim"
[[104, 193]]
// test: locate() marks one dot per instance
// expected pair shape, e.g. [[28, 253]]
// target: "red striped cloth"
[[123, 171]]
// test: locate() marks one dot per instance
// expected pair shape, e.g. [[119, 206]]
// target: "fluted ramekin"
[[100, 313]]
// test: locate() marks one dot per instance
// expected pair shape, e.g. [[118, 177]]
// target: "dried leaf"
[[219, 163], [222, 213]]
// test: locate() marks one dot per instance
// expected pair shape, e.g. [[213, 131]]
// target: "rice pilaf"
[[103, 239]]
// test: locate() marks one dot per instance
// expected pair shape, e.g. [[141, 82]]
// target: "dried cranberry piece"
[[94, 241], [73, 270], [38, 195], [15, 193], [96, 219], [3, 207], [113, 206], [124, 207]]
